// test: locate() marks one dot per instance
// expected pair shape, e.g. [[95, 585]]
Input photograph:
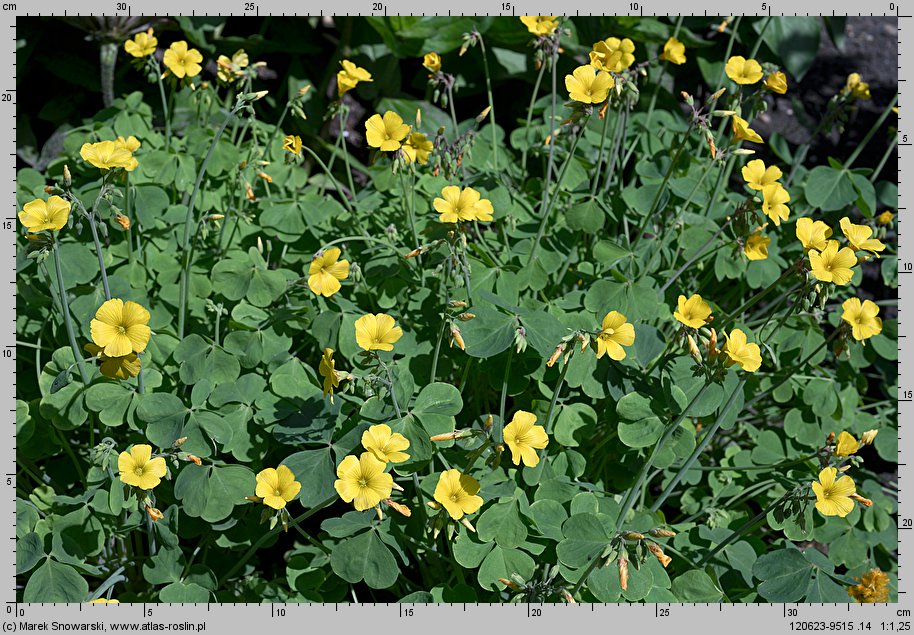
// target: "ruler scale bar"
[[428, 618]]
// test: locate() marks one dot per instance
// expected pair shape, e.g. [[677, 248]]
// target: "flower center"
[[277, 492], [609, 331], [363, 482], [121, 329], [138, 470], [454, 498]]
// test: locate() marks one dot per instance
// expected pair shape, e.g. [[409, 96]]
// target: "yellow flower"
[[130, 144], [743, 71], [812, 234], [693, 312], [104, 601], [432, 61], [673, 51], [181, 61], [540, 24], [327, 370], [862, 317], [292, 143], [524, 438], [777, 82], [457, 493], [484, 210], [142, 45], [742, 131], [613, 55], [833, 498], [457, 204], [741, 352], [856, 88], [350, 76], [885, 218], [588, 86], [847, 445], [833, 264], [277, 486], [774, 199], [228, 70], [108, 155], [873, 588], [137, 468], [386, 133], [326, 271], [757, 246], [39, 215], [757, 176], [384, 444], [123, 367], [868, 437], [614, 334], [377, 332], [119, 328], [417, 148], [362, 481], [859, 237]]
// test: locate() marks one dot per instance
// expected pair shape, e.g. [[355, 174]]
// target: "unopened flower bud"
[[254, 499], [266, 177], [566, 595], [457, 338], [743, 152], [868, 437], [67, 177], [482, 116], [489, 422], [457, 304], [510, 584], [433, 505], [122, 220], [304, 90], [397, 487], [658, 532], [693, 349], [717, 95], [863, 501], [466, 317], [687, 97], [452, 436], [830, 438], [194, 459], [633, 535], [466, 523], [48, 189], [520, 339], [215, 217], [655, 549], [399, 508], [154, 514], [556, 354], [723, 113], [180, 442], [623, 573]]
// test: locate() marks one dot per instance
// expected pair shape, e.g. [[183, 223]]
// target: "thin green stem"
[[409, 210], [698, 253], [190, 224], [742, 529], [596, 172], [101, 255], [558, 185], [165, 110], [500, 424], [789, 373], [700, 447], [593, 565], [450, 103], [344, 120], [269, 534], [68, 320], [527, 140], [485, 68], [889, 151], [869, 135], [630, 498]]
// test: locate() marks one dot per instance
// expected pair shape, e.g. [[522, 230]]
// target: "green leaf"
[[489, 333], [785, 575], [184, 593], [586, 536], [638, 426], [586, 217], [503, 563], [29, 552], [502, 523], [314, 470], [696, 586], [571, 418], [212, 492], [55, 582], [829, 189], [365, 557]]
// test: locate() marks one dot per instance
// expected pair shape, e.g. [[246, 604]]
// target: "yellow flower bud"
[[399, 508], [868, 437], [633, 535], [655, 549], [154, 514], [623, 573], [466, 523], [863, 501], [122, 220]]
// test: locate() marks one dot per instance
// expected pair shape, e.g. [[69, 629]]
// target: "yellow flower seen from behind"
[[326, 271], [327, 369], [776, 82], [739, 351], [540, 24], [386, 133], [833, 497], [742, 131], [417, 148], [833, 264], [458, 493], [588, 86], [859, 237], [812, 234], [432, 61], [378, 332], [362, 481], [757, 176], [524, 438], [857, 88], [108, 155], [863, 318], [743, 71], [774, 202], [123, 367], [183, 61], [615, 333], [350, 76], [673, 51], [142, 45], [885, 218], [277, 486], [39, 215], [119, 328], [847, 444], [693, 311], [138, 469], [385, 444], [757, 246]]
